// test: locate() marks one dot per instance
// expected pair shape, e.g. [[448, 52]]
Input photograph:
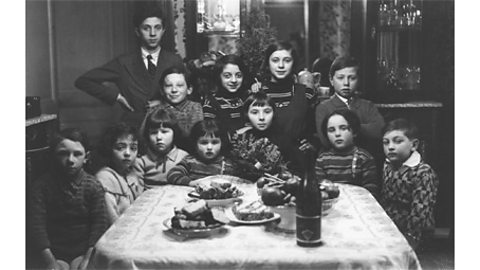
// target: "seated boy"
[[410, 185], [67, 207], [344, 77]]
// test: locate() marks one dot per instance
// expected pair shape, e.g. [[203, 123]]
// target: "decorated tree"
[[255, 39]]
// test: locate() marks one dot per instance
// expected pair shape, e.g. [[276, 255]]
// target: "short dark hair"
[[409, 128], [276, 46], [208, 127], [234, 60], [112, 134], [342, 62], [73, 134], [175, 70], [147, 9], [350, 116], [157, 118], [259, 99]]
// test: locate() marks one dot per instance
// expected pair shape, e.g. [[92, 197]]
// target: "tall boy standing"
[[137, 74]]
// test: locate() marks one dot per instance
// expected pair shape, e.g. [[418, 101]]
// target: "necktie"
[[151, 66]]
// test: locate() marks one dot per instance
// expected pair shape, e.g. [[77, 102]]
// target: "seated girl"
[[344, 162], [67, 206], [208, 158], [251, 145], [160, 132], [122, 185]]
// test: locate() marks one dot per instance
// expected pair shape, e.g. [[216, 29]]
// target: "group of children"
[[185, 140]]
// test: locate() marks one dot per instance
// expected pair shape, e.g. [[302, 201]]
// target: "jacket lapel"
[[139, 73]]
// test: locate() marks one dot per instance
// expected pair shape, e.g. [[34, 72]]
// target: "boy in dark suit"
[[137, 74]]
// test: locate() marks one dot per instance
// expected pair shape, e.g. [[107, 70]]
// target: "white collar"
[[344, 100], [414, 159], [154, 55]]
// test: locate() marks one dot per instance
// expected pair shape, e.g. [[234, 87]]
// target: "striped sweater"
[[226, 109], [190, 168], [356, 167]]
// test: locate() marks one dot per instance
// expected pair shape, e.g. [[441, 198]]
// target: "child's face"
[[345, 81], [71, 156], [176, 88], [124, 152], [150, 32], [398, 147], [232, 78], [280, 63], [160, 139], [339, 133], [208, 147], [260, 116]]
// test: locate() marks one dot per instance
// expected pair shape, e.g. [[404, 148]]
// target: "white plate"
[[193, 195], [195, 233], [220, 177], [229, 213]]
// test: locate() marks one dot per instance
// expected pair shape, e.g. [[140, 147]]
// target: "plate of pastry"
[[253, 213], [217, 192], [197, 220]]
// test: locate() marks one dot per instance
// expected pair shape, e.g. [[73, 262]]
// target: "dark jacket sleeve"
[[93, 81], [97, 209], [37, 225], [372, 121]]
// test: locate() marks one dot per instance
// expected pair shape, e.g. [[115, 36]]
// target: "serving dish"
[[209, 231]]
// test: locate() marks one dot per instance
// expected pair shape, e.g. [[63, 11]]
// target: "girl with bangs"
[[161, 134], [207, 159]]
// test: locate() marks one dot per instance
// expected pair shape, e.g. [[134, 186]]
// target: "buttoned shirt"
[[154, 55]]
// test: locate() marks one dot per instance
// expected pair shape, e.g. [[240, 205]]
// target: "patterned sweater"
[[66, 215], [356, 167], [409, 195], [187, 114], [190, 168]]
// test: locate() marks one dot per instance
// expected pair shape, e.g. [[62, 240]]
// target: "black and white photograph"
[[240, 134]]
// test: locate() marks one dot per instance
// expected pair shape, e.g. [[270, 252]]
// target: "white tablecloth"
[[357, 234]]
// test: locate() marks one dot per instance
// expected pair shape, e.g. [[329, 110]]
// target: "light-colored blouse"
[[120, 190], [153, 170]]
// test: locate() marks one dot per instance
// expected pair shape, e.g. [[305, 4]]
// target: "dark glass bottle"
[[309, 206]]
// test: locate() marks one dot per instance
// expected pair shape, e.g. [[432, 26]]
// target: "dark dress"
[[293, 119]]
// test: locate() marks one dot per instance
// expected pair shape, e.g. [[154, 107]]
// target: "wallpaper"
[[334, 32]]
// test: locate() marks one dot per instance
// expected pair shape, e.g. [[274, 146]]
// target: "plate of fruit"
[[282, 190], [253, 213], [196, 220]]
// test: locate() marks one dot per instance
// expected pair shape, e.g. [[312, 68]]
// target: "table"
[[357, 234]]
